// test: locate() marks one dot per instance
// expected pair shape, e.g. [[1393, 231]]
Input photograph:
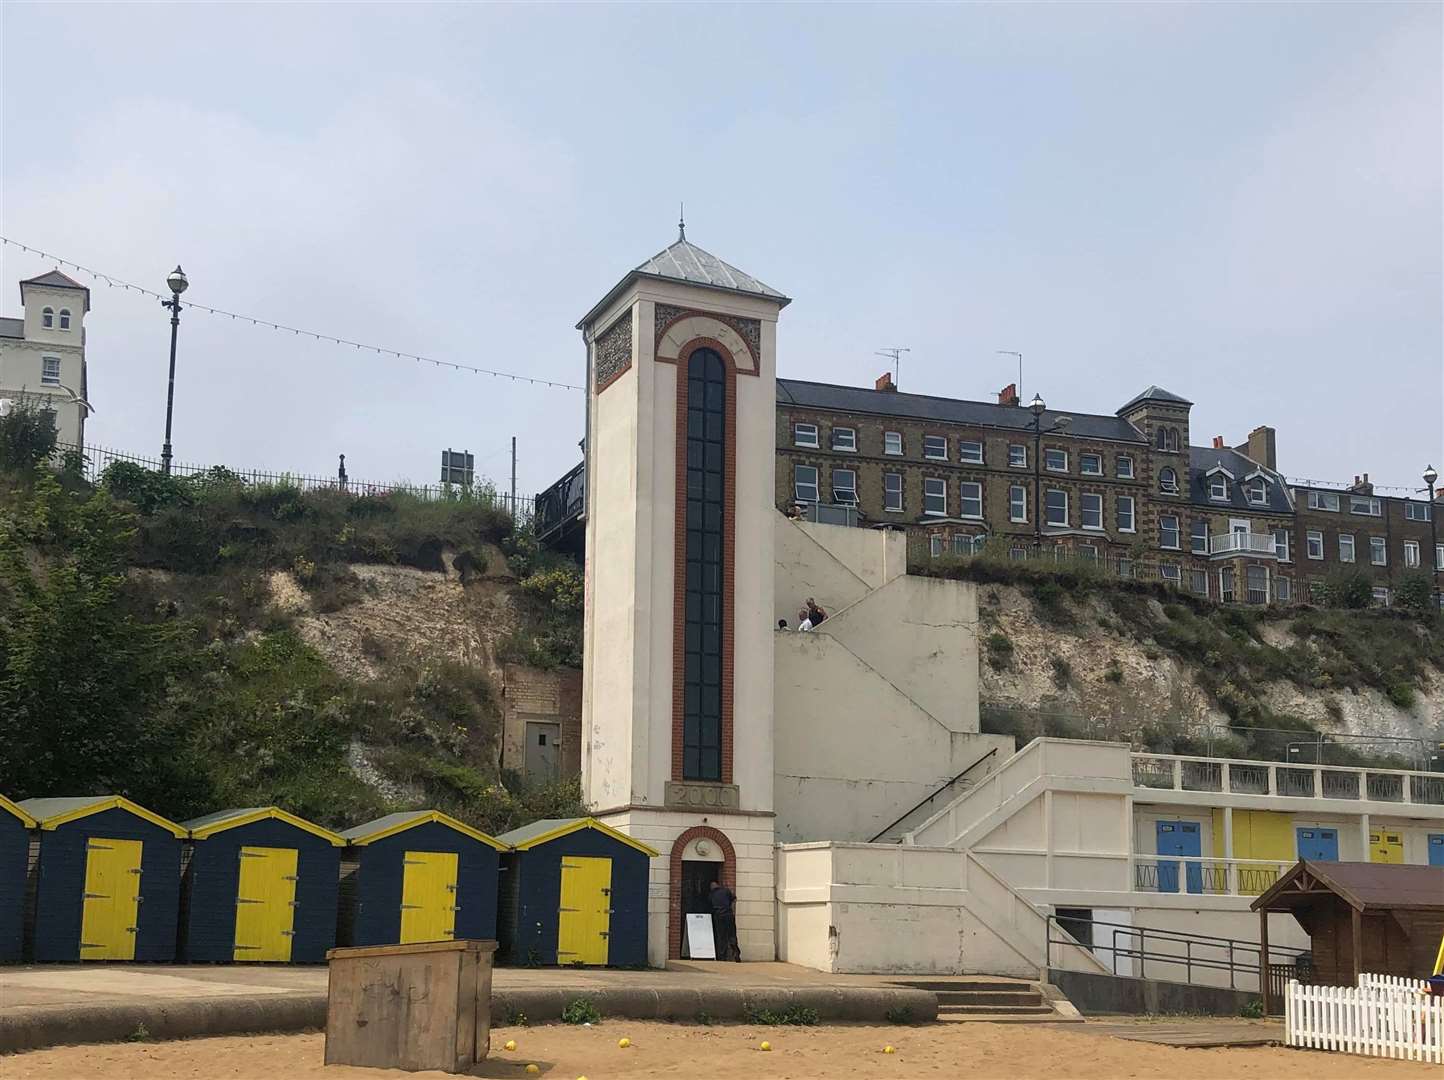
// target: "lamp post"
[[1037, 407], [1429, 477], [176, 279]]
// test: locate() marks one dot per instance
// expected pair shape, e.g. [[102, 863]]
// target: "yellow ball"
[[532, 1069], [510, 1044], [624, 1043], [765, 1046], [888, 1050]]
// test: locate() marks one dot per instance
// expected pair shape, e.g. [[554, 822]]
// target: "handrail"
[[933, 795], [1282, 764]]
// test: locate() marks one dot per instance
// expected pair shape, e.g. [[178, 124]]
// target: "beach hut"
[[574, 891], [260, 885], [108, 882], [418, 876], [15, 826]]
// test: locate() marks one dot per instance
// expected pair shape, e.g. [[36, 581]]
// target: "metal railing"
[[1241, 543], [946, 788], [1169, 772], [1184, 874], [562, 503]]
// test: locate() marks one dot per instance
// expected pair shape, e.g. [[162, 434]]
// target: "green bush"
[[581, 1011], [1348, 589], [1402, 695], [27, 435], [1062, 672], [1000, 650], [1414, 591], [792, 1015]]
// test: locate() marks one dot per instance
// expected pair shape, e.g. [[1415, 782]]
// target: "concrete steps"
[[997, 1001]]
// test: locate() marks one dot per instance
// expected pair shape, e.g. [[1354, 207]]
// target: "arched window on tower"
[[1168, 481], [705, 601], [47, 317], [65, 318]]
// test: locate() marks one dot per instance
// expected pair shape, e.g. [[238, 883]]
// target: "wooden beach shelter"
[[15, 835], [108, 880]]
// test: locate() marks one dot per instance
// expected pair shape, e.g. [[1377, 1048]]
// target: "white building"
[[42, 353]]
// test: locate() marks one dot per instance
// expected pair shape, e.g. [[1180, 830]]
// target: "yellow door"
[[265, 904], [428, 896], [112, 899], [585, 918], [1386, 847]]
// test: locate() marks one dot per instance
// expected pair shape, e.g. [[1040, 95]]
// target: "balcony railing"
[[1169, 772], [1241, 543], [1206, 877]]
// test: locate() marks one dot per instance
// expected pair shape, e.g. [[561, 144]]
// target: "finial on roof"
[[681, 221]]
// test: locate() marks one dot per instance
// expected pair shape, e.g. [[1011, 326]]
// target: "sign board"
[[457, 467], [700, 945]]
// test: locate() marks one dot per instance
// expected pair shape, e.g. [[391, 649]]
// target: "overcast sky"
[[1241, 203]]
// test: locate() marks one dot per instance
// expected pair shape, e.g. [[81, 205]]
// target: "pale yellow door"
[[585, 918], [428, 896], [1386, 847], [112, 899], [266, 904]]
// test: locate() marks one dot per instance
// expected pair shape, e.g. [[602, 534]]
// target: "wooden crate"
[[412, 1007]]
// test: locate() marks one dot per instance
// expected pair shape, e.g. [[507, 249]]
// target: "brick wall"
[[550, 696]]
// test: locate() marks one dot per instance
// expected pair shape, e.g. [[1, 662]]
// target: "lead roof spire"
[[681, 221]]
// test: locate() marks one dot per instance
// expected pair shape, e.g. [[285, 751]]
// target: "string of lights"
[[119, 283]]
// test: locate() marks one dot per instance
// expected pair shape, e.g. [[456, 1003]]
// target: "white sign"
[[700, 945]]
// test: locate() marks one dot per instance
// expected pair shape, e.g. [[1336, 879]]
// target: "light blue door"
[[1179, 838], [1436, 849], [1320, 845]]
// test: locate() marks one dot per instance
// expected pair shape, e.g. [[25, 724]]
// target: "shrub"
[[1348, 589], [27, 435], [581, 1011], [1253, 1009], [1062, 672], [1402, 695], [1114, 674], [1000, 650], [899, 1014], [793, 1015], [1415, 591]]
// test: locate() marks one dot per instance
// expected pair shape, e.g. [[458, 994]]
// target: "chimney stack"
[[1218, 442], [884, 382], [1262, 446], [1008, 395], [1362, 486]]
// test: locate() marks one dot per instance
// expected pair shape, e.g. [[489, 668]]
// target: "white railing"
[[1169, 772], [1241, 543], [1183, 874], [1393, 983], [1370, 1021]]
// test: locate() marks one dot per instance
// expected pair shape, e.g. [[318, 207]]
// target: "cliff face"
[[1149, 672]]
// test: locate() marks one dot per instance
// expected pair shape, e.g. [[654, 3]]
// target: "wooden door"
[[266, 904], [112, 899], [584, 921], [428, 896]]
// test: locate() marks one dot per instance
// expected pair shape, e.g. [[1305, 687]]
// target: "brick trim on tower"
[[674, 903], [679, 556]]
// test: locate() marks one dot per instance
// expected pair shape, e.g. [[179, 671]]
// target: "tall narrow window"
[[1125, 514], [1090, 506], [892, 492], [892, 442], [1168, 531], [65, 318], [1017, 503], [972, 500], [705, 602], [47, 318], [50, 371], [844, 487]]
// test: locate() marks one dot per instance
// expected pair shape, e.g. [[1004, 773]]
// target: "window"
[[1017, 503], [1167, 438], [970, 451], [935, 447], [47, 318], [844, 439], [1168, 481], [1090, 510], [1346, 547], [1125, 467], [1283, 589], [936, 544], [972, 500], [1218, 486], [844, 487], [1088, 552], [1258, 491], [1057, 503], [892, 443], [1416, 511], [968, 545], [1411, 553], [1198, 536], [50, 371], [1017, 456], [1256, 583], [705, 602], [1171, 573], [804, 484], [1324, 500], [935, 496], [892, 492], [1364, 504], [1381, 595], [1198, 582], [1314, 539], [65, 318], [1378, 551], [1281, 544], [1439, 557], [1225, 584], [1055, 460], [1126, 521], [804, 434], [1168, 531], [1090, 464]]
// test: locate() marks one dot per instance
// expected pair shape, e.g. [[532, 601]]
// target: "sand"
[[976, 1051]]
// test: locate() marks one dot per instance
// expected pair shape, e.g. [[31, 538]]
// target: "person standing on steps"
[[815, 613], [724, 922]]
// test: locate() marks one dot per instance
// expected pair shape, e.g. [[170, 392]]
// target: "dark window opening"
[[1078, 922], [704, 602]]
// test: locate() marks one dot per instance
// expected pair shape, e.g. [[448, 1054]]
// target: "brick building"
[[1130, 490]]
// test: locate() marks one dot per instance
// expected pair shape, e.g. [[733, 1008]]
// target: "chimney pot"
[[1008, 395], [884, 382], [1218, 442]]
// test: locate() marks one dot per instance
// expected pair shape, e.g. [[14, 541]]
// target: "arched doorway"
[[700, 856]]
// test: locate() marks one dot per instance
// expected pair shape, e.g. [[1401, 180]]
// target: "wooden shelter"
[[1381, 918], [418, 876], [108, 881], [261, 885], [15, 827]]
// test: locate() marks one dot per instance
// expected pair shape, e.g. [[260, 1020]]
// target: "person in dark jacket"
[[724, 922], [815, 613]]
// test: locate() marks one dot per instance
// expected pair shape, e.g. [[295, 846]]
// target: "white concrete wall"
[[834, 564]]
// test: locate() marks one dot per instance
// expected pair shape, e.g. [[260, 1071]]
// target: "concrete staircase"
[[995, 1001]]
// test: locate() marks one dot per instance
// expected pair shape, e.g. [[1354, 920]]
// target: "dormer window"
[[1168, 481], [65, 318], [1218, 487], [1258, 491], [47, 318]]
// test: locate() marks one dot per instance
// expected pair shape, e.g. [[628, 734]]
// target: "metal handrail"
[[933, 795]]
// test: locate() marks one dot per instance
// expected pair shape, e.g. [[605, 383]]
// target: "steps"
[[996, 1001]]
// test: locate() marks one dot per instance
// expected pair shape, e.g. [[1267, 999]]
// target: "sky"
[[1240, 203]]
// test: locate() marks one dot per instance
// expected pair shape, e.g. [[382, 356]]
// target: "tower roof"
[[54, 279], [684, 261], [1155, 393]]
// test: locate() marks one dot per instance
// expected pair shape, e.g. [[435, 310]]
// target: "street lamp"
[[1037, 407], [178, 284], [1429, 477]]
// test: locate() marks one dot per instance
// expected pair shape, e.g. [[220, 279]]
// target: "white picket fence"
[[1384, 1018]]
